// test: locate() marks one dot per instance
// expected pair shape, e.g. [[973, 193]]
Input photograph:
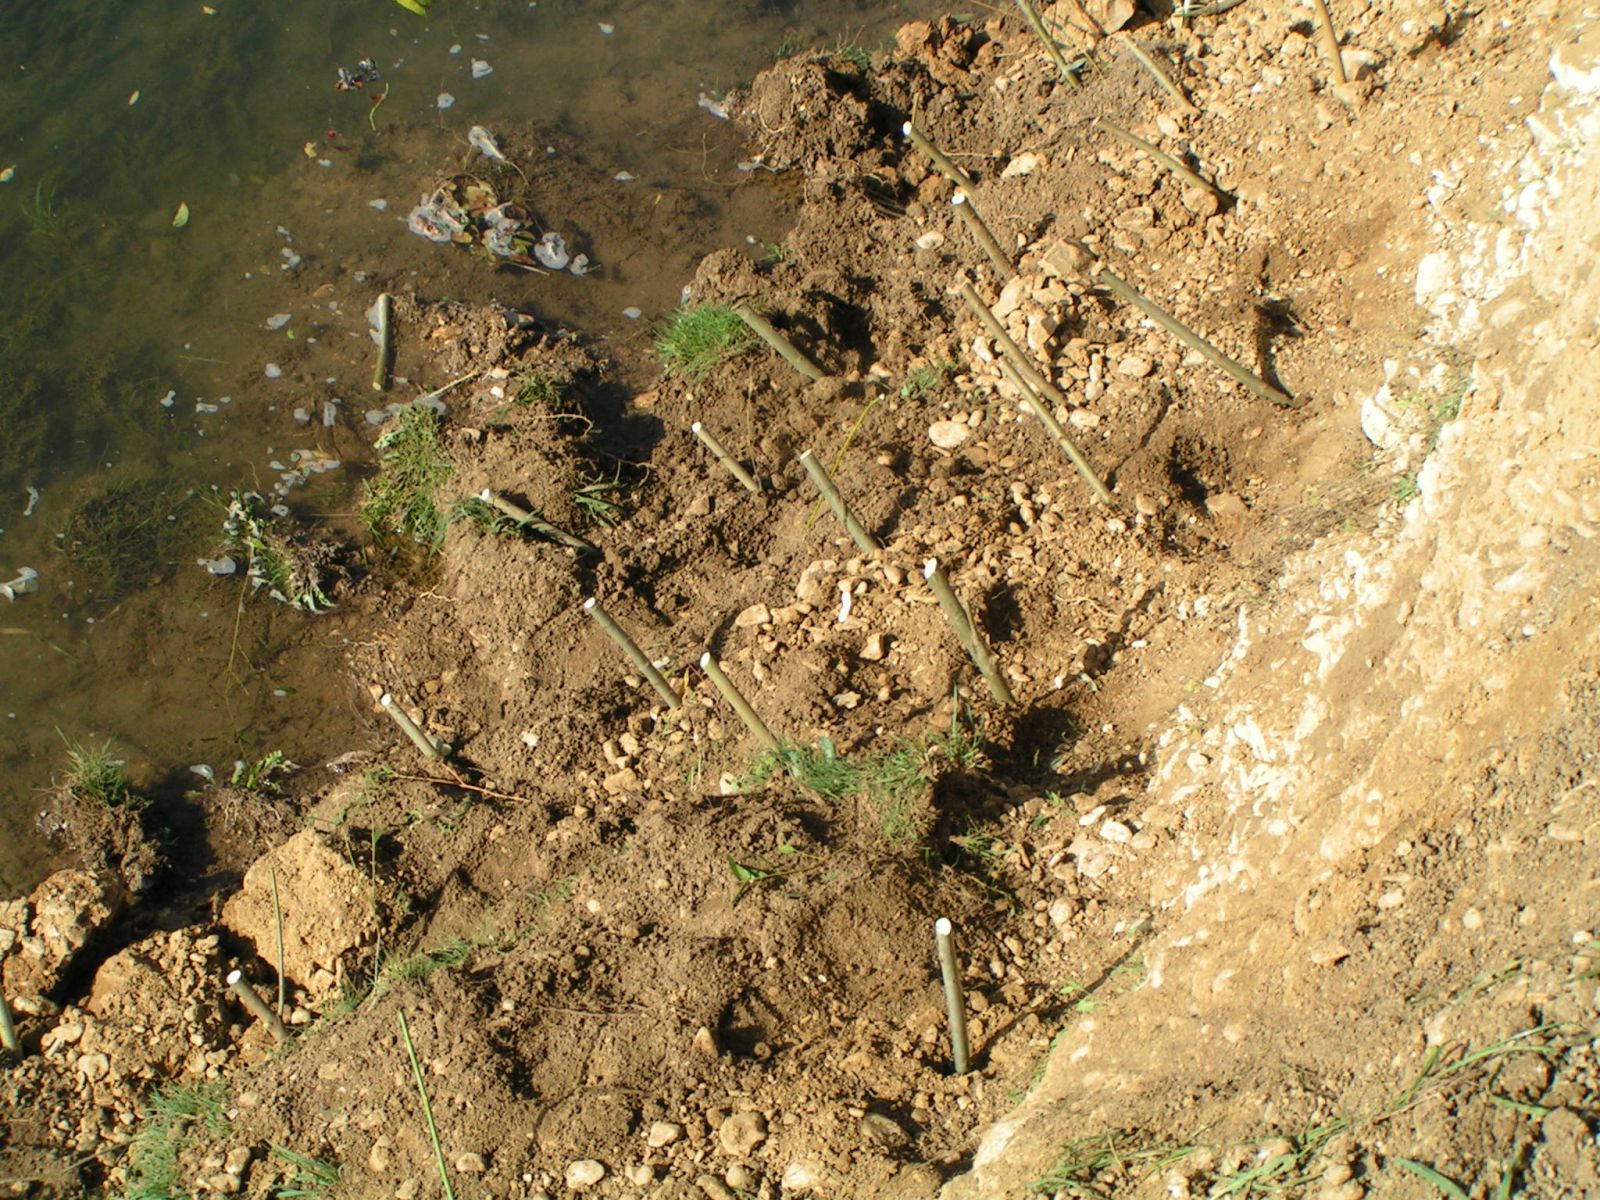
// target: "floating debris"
[[291, 260], [27, 580], [226, 565], [33, 501], [606, 29], [204, 769], [444, 101], [551, 251], [481, 140], [633, 314], [170, 399], [714, 107], [624, 177], [201, 407], [365, 72], [279, 320], [579, 265], [8, 174], [134, 98], [481, 68], [456, 49], [273, 371], [289, 568], [181, 217], [380, 205]]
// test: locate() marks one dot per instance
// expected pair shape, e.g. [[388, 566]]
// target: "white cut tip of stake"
[[234, 977], [958, 199], [694, 427], [705, 659], [942, 927], [588, 605], [905, 130], [929, 567], [386, 700]]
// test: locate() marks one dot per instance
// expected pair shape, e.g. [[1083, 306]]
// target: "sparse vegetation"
[[402, 500], [697, 338], [594, 500], [534, 388], [125, 536], [169, 1122], [261, 776], [925, 378], [311, 1176], [93, 774]]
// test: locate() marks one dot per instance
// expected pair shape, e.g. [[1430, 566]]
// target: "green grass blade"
[[1426, 1173]]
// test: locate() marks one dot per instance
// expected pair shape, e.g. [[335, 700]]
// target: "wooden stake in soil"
[[1193, 178], [536, 523], [380, 373], [711, 443], [1052, 48], [1103, 277], [256, 1005], [739, 704], [1161, 77], [1062, 439], [967, 632], [942, 161], [985, 237], [1330, 40], [10, 1043], [857, 531], [409, 727], [954, 1002], [778, 342], [638, 657], [1024, 365]]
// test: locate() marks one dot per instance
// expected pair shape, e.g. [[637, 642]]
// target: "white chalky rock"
[[585, 1173], [947, 435]]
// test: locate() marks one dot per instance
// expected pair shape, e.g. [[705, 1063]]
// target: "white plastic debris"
[[456, 49], [27, 580], [220, 566], [481, 140], [273, 371], [579, 264], [714, 107], [607, 29], [204, 771], [33, 501], [169, 399], [302, 416], [481, 68], [633, 314], [201, 407], [330, 413], [551, 251], [624, 177], [279, 320], [444, 101], [380, 205]]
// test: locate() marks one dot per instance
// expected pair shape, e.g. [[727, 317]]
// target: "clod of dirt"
[[326, 909], [42, 935]]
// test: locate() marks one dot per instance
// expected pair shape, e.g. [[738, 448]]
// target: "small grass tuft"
[[260, 776], [170, 1116], [697, 338], [312, 1176], [402, 500], [927, 377], [594, 500], [93, 774], [537, 389]]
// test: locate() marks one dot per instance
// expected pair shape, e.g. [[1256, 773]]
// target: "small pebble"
[[585, 1173], [742, 1133], [662, 1133], [947, 435]]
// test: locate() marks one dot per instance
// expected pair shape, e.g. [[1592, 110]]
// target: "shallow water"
[[113, 116]]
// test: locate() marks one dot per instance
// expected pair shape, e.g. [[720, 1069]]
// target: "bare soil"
[[1278, 876]]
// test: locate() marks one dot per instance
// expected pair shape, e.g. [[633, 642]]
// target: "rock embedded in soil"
[[742, 1133], [947, 435], [662, 1134], [584, 1173], [714, 1188], [799, 1176]]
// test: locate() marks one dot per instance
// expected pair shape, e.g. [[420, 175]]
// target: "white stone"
[[947, 435], [585, 1173]]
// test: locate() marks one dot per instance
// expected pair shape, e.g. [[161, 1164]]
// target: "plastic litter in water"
[[169, 399], [551, 251], [381, 205], [302, 416], [33, 501], [205, 408], [633, 314], [579, 265], [481, 68], [624, 177], [204, 771], [606, 29], [291, 260], [330, 413], [445, 100], [714, 107], [220, 566], [273, 371], [456, 49], [481, 140], [279, 320], [27, 580]]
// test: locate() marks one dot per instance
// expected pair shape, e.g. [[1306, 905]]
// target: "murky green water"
[[113, 115]]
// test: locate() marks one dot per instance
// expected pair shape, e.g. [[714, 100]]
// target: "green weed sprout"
[[272, 562], [402, 499], [93, 774]]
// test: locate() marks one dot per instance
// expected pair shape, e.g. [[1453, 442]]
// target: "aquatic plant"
[[125, 535], [289, 571], [93, 774]]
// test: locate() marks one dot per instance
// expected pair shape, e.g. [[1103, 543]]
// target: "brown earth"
[[1278, 875]]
